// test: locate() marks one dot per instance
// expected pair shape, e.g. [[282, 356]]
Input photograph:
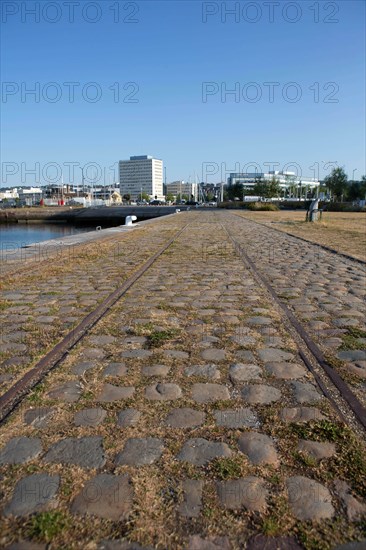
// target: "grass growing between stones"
[[271, 527], [356, 332], [3, 355], [305, 458], [350, 339], [48, 525], [158, 338], [277, 519], [327, 534], [349, 343], [350, 461], [225, 468], [36, 395], [339, 365], [320, 431]]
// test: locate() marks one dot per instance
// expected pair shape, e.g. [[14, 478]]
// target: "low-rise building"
[[286, 180], [181, 188], [29, 196], [9, 194]]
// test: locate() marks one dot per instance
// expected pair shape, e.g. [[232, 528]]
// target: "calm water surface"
[[18, 235]]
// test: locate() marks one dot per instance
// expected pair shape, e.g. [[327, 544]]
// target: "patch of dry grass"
[[343, 231]]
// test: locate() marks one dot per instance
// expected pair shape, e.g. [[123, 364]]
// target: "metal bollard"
[[313, 211], [129, 220]]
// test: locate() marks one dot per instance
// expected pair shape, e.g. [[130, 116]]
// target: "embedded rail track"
[[323, 246], [35, 263], [345, 392], [13, 396]]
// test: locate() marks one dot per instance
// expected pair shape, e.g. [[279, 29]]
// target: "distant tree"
[[337, 182], [363, 187], [170, 197], [182, 197], [261, 188], [235, 191], [249, 191], [267, 188], [126, 197], [145, 196], [356, 189]]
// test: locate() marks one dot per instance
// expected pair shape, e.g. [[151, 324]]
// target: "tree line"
[[342, 188]]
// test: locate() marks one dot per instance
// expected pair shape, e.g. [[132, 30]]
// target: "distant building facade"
[[7, 194], [286, 179], [22, 195], [30, 195], [141, 174], [183, 188]]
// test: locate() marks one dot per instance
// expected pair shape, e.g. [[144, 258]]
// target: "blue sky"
[[172, 63]]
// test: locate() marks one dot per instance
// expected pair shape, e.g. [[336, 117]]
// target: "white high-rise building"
[[141, 174]]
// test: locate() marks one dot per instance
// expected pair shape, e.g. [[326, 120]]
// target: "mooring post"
[[130, 219], [312, 214]]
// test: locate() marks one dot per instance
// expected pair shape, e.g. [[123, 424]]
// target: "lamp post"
[[82, 178]]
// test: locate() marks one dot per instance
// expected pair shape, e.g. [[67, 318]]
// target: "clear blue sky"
[[168, 53]]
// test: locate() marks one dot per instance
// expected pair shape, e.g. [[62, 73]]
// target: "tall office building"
[[141, 174]]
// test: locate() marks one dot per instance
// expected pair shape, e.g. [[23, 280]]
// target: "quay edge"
[[114, 215]]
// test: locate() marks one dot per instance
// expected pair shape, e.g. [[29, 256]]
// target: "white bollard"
[[313, 210], [130, 219], [177, 210]]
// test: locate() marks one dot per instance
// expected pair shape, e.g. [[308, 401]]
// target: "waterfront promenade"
[[198, 411]]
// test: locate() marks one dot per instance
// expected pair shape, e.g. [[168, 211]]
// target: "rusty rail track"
[[36, 264], [346, 393], [13, 396], [323, 246]]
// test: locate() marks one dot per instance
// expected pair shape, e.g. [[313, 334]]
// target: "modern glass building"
[[287, 180]]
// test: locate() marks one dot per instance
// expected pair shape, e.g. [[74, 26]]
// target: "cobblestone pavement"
[[186, 418], [327, 292], [61, 287]]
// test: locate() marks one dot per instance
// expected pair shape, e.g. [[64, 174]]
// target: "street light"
[[82, 178]]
